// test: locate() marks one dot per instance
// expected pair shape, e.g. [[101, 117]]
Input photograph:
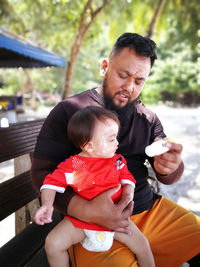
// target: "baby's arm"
[[138, 244], [128, 191], [44, 214]]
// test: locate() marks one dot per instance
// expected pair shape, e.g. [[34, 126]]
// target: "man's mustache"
[[124, 92]]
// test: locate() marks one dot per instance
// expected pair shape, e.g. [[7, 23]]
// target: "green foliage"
[[49, 81], [186, 22], [11, 81], [175, 77], [52, 24], [44, 80], [88, 65]]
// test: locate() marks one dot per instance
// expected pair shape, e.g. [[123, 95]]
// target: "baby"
[[97, 168]]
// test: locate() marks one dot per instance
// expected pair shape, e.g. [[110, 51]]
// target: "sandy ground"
[[181, 124]]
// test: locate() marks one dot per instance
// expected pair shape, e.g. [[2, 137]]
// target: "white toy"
[[157, 148]]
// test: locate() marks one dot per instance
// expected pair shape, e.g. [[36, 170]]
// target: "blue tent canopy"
[[16, 53]]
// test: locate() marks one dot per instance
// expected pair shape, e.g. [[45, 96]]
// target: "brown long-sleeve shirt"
[[137, 130]]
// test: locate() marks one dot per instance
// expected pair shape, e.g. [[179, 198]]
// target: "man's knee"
[[117, 256]]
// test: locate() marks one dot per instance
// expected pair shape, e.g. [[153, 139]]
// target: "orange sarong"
[[173, 233]]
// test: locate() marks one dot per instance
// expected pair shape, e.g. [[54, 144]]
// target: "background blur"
[[83, 32]]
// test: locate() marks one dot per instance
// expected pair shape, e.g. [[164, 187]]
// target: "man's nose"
[[129, 86]]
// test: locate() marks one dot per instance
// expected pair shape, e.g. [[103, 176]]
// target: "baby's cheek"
[[104, 147]]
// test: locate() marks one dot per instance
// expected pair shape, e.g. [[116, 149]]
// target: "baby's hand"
[[44, 215]]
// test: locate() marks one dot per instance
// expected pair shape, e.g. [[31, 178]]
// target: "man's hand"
[[168, 162], [102, 211], [127, 192], [110, 215]]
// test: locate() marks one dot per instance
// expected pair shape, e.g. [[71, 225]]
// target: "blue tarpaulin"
[[16, 53]]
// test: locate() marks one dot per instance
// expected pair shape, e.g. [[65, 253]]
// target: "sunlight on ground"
[[182, 124], [7, 229]]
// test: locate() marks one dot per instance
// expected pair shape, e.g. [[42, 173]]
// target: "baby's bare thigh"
[[65, 234]]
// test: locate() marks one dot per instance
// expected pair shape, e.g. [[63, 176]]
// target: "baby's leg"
[[59, 240], [138, 244]]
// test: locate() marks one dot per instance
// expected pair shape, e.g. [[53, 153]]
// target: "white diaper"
[[97, 240]]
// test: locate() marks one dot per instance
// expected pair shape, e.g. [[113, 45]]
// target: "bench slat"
[[19, 139], [15, 193], [27, 148], [19, 250], [39, 259]]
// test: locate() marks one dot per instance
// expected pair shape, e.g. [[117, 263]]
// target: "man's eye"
[[122, 76], [139, 82]]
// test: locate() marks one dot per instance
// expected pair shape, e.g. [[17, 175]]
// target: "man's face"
[[125, 76]]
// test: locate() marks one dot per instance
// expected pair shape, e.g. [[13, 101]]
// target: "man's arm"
[[102, 211]]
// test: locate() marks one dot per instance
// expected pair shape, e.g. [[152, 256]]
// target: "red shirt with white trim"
[[89, 177]]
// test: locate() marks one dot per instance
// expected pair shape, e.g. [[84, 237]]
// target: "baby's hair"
[[82, 124]]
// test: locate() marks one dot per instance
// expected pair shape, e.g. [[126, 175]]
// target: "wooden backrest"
[[26, 248], [17, 140]]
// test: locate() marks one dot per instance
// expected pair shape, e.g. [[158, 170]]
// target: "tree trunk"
[[31, 87], [84, 26], [70, 66], [152, 25]]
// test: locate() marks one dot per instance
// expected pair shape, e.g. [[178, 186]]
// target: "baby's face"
[[104, 140]]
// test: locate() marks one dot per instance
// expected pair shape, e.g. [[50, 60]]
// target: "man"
[[173, 232]]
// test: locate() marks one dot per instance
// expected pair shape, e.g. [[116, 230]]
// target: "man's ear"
[[104, 67]]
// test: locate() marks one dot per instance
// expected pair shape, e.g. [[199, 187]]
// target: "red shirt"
[[89, 177]]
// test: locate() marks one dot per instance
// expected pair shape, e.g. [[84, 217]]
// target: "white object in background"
[[158, 147], [11, 115], [7, 117], [4, 123]]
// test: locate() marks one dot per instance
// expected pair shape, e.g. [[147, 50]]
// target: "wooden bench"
[[17, 195]]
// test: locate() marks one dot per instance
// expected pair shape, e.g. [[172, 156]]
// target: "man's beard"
[[124, 112]]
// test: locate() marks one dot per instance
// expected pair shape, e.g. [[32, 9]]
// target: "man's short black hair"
[[142, 45]]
